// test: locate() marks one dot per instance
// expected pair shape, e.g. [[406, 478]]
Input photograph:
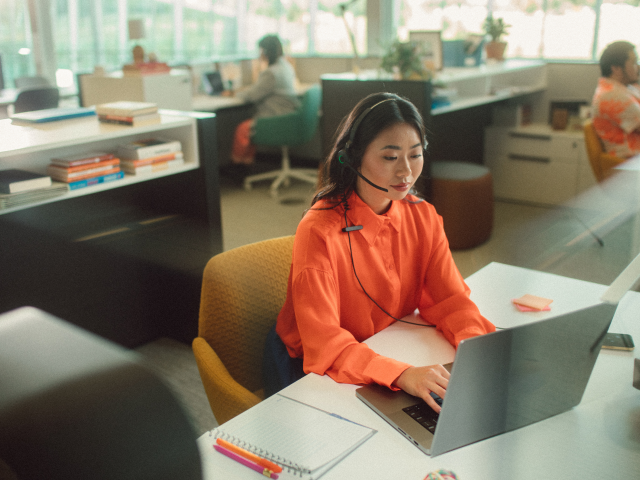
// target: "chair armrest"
[[226, 396], [608, 162]]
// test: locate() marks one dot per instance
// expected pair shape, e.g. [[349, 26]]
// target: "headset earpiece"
[[343, 158]]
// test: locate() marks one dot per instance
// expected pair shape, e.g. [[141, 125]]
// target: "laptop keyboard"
[[424, 414]]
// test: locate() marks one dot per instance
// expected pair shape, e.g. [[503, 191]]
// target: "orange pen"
[[263, 462]]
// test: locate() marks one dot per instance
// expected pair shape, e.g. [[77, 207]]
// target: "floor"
[[556, 240]]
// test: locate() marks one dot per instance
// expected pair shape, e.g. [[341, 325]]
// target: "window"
[[87, 34]]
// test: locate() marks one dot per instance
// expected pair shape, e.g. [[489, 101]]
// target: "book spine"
[[83, 176], [95, 181], [82, 161], [151, 160], [88, 168], [154, 167], [152, 150]]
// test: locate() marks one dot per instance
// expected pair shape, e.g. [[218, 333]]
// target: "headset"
[[345, 161]]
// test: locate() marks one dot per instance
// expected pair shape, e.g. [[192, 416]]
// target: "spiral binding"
[[291, 467]]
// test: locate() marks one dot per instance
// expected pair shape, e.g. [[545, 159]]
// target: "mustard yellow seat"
[[243, 291], [602, 163]]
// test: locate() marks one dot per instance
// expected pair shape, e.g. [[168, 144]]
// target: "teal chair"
[[285, 131]]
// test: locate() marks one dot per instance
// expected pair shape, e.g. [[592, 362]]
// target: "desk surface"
[[600, 438]]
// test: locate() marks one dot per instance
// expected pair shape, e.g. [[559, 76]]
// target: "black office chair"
[[36, 99]]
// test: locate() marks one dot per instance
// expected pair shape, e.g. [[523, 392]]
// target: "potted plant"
[[495, 28], [406, 58]]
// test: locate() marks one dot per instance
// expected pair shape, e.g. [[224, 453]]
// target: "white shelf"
[[32, 147], [491, 83]]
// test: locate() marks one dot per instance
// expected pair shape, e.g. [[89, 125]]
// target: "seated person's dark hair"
[[616, 54], [272, 47]]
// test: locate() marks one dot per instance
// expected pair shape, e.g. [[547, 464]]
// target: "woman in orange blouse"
[[345, 286]]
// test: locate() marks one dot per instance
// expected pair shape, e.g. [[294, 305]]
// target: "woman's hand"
[[227, 93], [421, 381]]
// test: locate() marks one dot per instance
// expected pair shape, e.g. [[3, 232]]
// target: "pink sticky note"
[[522, 308], [532, 301]]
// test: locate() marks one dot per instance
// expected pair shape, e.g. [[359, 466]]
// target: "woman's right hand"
[[421, 381]]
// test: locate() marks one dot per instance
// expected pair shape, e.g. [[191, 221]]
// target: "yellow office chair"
[[602, 163], [243, 291]]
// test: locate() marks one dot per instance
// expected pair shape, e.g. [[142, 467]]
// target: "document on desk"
[[306, 441]]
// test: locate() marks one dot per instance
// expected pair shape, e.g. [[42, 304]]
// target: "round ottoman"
[[463, 195]]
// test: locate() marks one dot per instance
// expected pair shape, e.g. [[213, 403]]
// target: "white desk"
[[600, 438]]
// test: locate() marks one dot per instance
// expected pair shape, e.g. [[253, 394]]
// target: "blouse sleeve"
[[263, 87], [444, 300]]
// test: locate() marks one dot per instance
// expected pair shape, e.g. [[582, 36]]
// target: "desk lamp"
[[76, 406]]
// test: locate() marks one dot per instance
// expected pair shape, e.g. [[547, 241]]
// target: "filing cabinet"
[[537, 164]]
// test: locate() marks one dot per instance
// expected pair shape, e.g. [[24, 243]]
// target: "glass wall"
[[90, 33]]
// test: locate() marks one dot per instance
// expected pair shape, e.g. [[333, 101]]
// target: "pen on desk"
[[258, 468], [263, 462]]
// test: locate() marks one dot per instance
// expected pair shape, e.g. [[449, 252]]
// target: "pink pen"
[[247, 463]]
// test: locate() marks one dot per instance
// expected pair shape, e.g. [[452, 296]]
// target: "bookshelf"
[[122, 259]]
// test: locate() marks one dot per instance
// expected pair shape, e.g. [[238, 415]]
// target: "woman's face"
[[393, 160]]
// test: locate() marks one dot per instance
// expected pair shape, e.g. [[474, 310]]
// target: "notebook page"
[[293, 434]]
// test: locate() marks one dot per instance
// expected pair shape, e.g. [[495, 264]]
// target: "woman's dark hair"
[[272, 48], [337, 180], [615, 55]]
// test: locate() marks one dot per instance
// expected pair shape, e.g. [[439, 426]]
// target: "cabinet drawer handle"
[[531, 136], [529, 158]]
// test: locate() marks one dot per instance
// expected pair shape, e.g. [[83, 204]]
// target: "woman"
[[273, 94], [369, 252]]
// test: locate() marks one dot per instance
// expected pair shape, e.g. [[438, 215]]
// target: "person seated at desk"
[[616, 102], [273, 94], [364, 249]]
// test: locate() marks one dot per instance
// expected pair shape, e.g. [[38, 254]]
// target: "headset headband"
[[359, 120]]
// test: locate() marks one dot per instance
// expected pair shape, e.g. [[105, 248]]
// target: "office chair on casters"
[[602, 163], [243, 291], [36, 99], [286, 131]]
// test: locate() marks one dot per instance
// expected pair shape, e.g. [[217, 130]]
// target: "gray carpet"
[[174, 362]]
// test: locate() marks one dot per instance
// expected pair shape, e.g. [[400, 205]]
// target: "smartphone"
[[618, 341]]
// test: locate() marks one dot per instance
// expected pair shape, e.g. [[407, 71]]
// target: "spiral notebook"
[[306, 441]]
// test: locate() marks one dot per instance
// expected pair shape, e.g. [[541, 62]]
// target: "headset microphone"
[[348, 165]]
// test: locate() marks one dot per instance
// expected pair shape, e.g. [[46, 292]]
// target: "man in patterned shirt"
[[616, 102]]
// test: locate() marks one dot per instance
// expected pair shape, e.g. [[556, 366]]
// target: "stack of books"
[[85, 169], [20, 187], [150, 156], [128, 113]]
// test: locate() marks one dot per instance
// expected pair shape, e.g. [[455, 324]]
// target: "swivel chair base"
[[283, 175]]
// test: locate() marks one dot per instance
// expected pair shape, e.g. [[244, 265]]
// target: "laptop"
[[212, 82], [507, 379]]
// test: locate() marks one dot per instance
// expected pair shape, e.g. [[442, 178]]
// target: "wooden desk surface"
[[600, 438]]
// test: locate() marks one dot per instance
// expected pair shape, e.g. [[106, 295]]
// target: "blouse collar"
[[361, 214]]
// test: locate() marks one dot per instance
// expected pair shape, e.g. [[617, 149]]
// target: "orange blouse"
[[403, 261]]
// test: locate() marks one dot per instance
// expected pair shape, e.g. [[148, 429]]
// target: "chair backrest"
[[36, 99], [32, 82], [243, 291], [602, 163], [310, 109], [294, 128], [594, 149]]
